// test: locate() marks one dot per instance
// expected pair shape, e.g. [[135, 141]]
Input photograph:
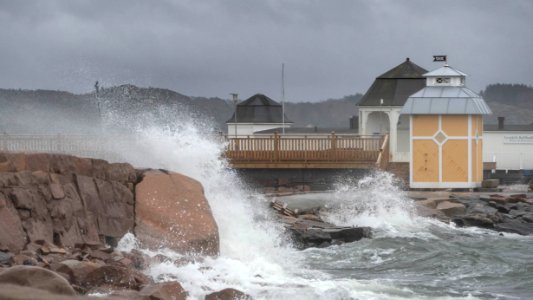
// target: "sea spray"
[[375, 201], [254, 248]]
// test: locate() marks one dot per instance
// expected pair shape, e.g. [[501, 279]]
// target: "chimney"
[[501, 122], [354, 122]]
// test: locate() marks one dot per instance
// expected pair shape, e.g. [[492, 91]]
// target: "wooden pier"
[[308, 152]]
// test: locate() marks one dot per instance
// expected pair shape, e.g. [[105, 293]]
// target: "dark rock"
[[307, 233], [5, 258], [164, 291], [129, 295], [98, 254], [515, 213], [38, 278], [483, 209], [477, 220], [350, 234], [528, 218], [76, 270], [21, 259], [428, 212], [228, 294], [501, 208], [515, 226], [311, 237], [451, 208], [115, 276], [139, 260]]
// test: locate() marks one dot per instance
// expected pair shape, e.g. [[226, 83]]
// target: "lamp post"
[[235, 98]]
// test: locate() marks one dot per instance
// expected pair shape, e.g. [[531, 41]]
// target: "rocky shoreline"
[[504, 212], [511, 213], [61, 218]]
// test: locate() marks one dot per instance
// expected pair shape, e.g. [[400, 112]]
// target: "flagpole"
[[283, 97]]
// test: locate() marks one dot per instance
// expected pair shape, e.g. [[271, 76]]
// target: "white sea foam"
[[376, 201]]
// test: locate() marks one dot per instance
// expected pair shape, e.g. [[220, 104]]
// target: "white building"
[[257, 113], [509, 146], [379, 108]]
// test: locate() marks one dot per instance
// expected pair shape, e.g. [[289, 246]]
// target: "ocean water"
[[409, 257]]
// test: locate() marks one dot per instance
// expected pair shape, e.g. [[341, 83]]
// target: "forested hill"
[[331, 113], [512, 101], [44, 111]]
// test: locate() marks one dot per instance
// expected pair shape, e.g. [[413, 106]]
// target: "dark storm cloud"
[[212, 48]]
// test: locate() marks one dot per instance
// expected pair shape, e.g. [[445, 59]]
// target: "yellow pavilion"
[[446, 132]]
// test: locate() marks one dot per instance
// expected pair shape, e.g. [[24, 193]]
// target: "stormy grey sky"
[[212, 48]]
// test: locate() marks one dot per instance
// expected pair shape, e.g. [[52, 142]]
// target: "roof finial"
[[407, 59]]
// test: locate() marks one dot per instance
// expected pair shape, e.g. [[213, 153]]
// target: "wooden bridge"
[[249, 152], [308, 152]]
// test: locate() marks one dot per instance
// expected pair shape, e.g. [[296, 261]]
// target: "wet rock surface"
[[511, 213], [308, 229], [228, 294]]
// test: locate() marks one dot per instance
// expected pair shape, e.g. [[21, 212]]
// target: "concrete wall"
[[316, 179]]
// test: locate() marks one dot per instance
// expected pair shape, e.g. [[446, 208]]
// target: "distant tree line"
[[513, 94]]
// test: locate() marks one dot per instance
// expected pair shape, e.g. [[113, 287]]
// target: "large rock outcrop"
[[61, 200], [172, 211]]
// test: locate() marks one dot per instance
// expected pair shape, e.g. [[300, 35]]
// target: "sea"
[[409, 257]]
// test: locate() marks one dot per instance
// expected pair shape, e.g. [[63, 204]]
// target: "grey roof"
[[508, 127], [259, 109], [445, 71], [395, 85], [446, 100]]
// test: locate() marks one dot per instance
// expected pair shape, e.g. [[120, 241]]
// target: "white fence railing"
[[79, 145]]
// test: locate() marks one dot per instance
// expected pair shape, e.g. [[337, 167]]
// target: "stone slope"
[[63, 200]]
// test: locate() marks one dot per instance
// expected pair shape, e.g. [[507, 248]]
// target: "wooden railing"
[[383, 158], [303, 151]]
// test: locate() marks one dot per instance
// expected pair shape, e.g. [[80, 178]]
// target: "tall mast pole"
[[283, 98], [235, 98]]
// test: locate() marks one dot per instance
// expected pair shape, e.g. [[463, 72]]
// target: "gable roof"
[[259, 109], [395, 85]]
